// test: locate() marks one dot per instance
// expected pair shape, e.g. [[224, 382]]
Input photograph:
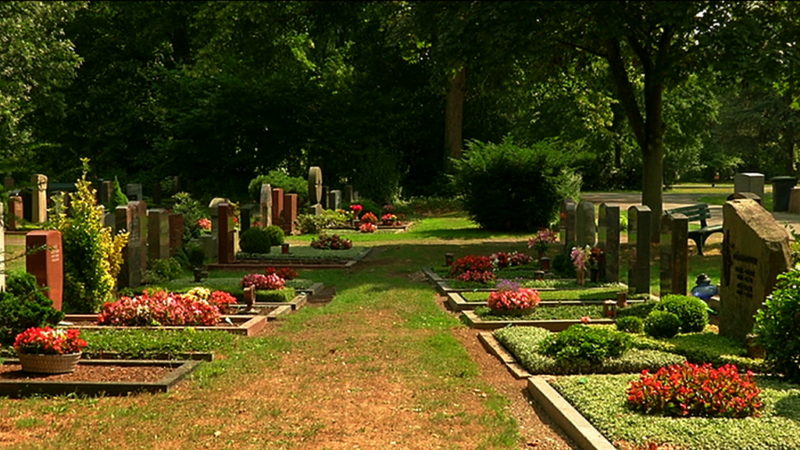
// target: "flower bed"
[[602, 400], [160, 308]]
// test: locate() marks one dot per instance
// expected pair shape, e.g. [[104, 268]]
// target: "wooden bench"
[[699, 212]]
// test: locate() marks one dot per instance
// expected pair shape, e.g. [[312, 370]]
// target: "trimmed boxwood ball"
[[585, 343], [778, 325], [276, 235], [508, 187], [662, 324], [692, 312], [630, 324], [640, 310], [255, 240]]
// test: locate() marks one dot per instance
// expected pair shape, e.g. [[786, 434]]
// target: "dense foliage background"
[[381, 94]]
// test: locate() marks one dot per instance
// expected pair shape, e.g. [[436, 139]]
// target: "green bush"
[[281, 295], [778, 325], [562, 266], [118, 198], [692, 312], [255, 240], [280, 179], [161, 270], [507, 187], [662, 324], [582, 342], [276, 236], [92, 254], [369, 206], [640, 310], [313, 224], [23, 305], [630, 324], [192, 211]]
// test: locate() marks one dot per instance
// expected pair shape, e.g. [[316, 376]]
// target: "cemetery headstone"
[[335, 199], [639, 237], [315, 190], [794, 200], [324, 199], [106, 192], [176, 225], [755, 250], [568, 223], [608, 241], [123, 216], [134, 192], [347, 194], [265, 203], [586, 229], [289, 219], [749, 182], [27, 204], [109, 220], [39, 199], [781, 190], [136, 255], [44, 260], [224, 233], [157, 234], [674, 254], [245, 217], [277, 207], [15, 212]]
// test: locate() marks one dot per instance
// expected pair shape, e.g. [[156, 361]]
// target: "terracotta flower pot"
[[49, 363]]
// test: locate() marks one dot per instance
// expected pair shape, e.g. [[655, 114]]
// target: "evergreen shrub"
[[778, 325], [662, 324]]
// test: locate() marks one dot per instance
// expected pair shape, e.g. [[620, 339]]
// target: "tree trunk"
[[653, 151], [454, 117]]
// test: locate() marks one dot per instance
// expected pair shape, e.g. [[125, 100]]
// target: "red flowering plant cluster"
[[388, 219], [204, 224], [356, 209], [369, 218], [263, 282], [159, 308], [479, 276], [503, 259], [49, 341], [473, 268], [367, 227], [284, 272], [331, 242], [510, 297], [696, 390], [220, 299], [542, 240]]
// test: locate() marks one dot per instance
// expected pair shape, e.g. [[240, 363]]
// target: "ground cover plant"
[[599, 293], [159, 308], [571, 312], [298, 252], [603, 400], [149, 344]]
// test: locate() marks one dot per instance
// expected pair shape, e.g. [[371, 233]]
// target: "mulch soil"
[[90, 372]]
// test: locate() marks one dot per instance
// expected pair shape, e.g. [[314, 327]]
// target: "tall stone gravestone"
[[134, 192], [39, 199], [289, 218], [324, 199], [315, 190], [335, 199], [15, 212], [224, 232], [347, 194], [45, 261], [265, 204], [749, 182], [639, 231], [674, 254], [755, 250], [277, 207], [176, 226], [157, 234], [106, 192], [568, 223], [245, 217], [123, 215], [586, 229], [608, 241]]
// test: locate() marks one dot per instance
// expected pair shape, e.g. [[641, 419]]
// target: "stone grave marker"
[[794, 200], [324, 199], [27, 204], [586, 229], [749, 182], [15, 212], [289, 219], [176, 225], [568, 223], [123, 215], [639, 237], [347, 194], [608, 241], [277, 207], [674, 254], [335, 199], [157, 234], [315, 190], [134, 192], [136, 251], [224, 232], [265, 204], [755, 250], [44, 260], [39, 199], [245, 217], [106, 192], [109, 220]]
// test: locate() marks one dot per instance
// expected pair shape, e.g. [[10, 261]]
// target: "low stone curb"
[[183, 356], [583, 433], [476, 322], [493, 346], [93, 388], [243, 324]]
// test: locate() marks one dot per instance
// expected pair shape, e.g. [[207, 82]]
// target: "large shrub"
[[507, 187], [313, 224], [662, 324], [92, 254], [255, 240], [23, 306], [192, 212], [692, 312], [778, 325], [582, 342], [280, 179]]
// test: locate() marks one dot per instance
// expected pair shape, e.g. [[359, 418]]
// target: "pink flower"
[[585, 319]]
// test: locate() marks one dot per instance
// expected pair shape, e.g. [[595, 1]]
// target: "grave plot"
[[297, 257], [96, 377], [247, 325], [461, 300]]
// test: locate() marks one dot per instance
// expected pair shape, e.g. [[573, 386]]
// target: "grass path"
[[381, 366]]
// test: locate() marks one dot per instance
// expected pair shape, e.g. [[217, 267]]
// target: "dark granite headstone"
[[157, 234], [586, 229], [176, 226], [639, 232], [568, 223], [674, 254], [608, 241]]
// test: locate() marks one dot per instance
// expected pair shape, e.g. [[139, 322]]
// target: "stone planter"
[[49, 363]]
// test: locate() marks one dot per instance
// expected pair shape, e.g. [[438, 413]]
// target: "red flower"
[[513, 299], [49, 341]]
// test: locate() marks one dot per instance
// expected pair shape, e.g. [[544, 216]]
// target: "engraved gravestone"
[[749, 182], [608, 241], [335, 199], [315, 190], [568, 223], [137, 242], [134, 192], [289, 218], [277, 207], [586, 229], [755, 250], [157, 234], [39, 199], [176, 225], [245, 217], [224, 233], [674, 254], [639, 232], [347, 194], [265, 204], [106, 192], [44, 260], [15, 213]]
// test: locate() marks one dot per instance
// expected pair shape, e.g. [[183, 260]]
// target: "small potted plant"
[[49, 350], [367, 227]]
